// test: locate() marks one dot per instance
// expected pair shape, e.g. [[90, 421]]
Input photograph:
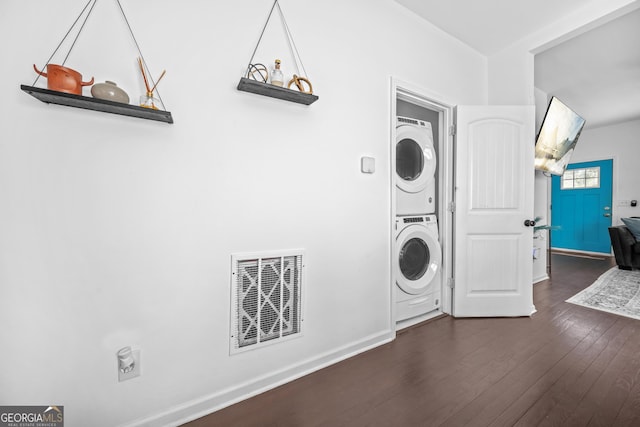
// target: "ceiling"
[[596, 73]]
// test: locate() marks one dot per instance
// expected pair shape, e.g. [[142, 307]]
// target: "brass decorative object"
[[298, 81]]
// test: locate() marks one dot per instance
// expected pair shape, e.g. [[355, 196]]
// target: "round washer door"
[[418, 259], [415, 158]]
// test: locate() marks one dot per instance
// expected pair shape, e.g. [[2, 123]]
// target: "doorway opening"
[[581, 207], [414, 111]]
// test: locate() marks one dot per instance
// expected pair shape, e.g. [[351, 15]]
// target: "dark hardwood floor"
[[564, 366]]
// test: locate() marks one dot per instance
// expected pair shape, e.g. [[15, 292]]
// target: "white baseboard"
[[403, 324], [540, 279], [206, 405], [578, 252]]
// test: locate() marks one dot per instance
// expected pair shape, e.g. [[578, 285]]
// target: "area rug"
[[616, 291]]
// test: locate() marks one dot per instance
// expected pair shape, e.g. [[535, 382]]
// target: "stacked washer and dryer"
[[418, 254]]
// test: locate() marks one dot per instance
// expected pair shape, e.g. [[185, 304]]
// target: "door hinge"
[[452, 207], [451, 282], [452, 130]]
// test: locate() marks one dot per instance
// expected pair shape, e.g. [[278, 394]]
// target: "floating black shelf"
[[266, 89], [89, 103]]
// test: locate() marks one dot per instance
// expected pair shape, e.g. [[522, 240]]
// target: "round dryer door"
[[419, 258], [415, 158]]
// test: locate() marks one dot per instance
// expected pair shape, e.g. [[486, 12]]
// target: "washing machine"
[[418, 266], [415, 167]]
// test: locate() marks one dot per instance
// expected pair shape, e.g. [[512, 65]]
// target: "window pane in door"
[[592, 172], [567, 183], [581, 178], [593, 178]]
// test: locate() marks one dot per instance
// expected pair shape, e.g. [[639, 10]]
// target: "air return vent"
[[266, 292]]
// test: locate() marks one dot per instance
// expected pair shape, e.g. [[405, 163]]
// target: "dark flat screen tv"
[[558, 136]]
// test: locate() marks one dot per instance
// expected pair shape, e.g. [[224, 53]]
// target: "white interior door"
[[494, 177]]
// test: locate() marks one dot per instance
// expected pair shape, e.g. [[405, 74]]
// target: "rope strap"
[[290, 41], [124, 16]]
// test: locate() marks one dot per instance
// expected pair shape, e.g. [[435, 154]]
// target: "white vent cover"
[[266, 296]]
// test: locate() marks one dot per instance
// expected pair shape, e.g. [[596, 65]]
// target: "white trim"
[[197, 408], [403, 324], [541, 279], [579, 252], [591, 17]]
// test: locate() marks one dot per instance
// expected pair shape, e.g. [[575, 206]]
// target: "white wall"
[[541, 202], [620, 143], [617, 142], [511, 81], [118, 231], [511, 70]]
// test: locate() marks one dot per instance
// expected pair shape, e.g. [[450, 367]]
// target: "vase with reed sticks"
[[148, 100]]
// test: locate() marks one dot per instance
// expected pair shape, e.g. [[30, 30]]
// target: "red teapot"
[[63, 79]]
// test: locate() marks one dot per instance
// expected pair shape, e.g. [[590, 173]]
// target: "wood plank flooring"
[[565, 366]]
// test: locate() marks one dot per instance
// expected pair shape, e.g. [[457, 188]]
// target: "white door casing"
[[494, 179]]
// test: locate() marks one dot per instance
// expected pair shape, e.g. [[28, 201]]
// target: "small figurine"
[[298, 81]]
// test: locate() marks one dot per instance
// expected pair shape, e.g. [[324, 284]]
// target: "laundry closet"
[[417, 254], [462, 168]]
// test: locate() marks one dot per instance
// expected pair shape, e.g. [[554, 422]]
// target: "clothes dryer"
[[418, 266], [415, 167]]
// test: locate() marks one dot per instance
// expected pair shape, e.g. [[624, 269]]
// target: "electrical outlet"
[[536, 253], [624, 203], [128, 364]]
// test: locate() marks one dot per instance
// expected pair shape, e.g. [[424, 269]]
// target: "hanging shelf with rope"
[[74, 97], [251, 83]]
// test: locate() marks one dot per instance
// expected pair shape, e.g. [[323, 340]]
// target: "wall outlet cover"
[[135, 372]]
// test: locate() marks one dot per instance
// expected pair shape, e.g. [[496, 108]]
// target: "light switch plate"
[[368, 164]]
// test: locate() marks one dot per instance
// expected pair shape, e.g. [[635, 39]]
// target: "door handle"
[[606, 215], [529, 223]]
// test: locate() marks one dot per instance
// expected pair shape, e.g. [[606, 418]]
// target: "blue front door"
[[581, 207]]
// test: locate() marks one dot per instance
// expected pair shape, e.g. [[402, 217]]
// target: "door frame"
[[424, 98], [615, 216]]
